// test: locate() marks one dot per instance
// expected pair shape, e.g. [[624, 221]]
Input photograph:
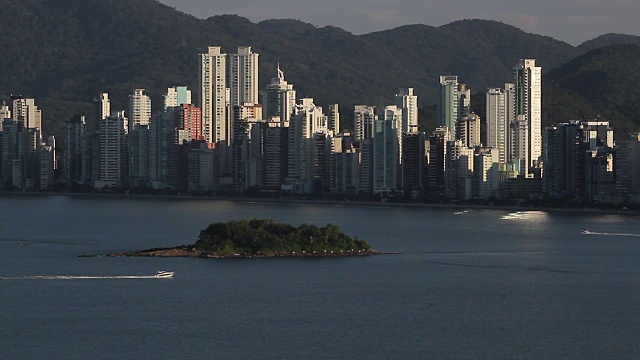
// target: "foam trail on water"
[[77, 277], [612, 234]]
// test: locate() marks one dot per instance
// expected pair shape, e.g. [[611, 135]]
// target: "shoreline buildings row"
[[238, 139]]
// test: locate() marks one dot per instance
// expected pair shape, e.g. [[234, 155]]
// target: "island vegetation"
[[270, 238], [265, 238]]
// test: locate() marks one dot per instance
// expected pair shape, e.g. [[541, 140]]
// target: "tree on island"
[[267, 237]]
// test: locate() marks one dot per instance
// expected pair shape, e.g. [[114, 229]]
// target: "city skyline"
[[572, 21], [230, 143]]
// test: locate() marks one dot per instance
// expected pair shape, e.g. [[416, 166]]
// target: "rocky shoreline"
[[185, 251]]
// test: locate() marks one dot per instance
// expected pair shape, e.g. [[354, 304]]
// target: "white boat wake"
[[78, 277], [588, 232]]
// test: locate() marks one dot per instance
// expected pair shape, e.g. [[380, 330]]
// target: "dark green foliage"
[[271, 238], [599, 84]]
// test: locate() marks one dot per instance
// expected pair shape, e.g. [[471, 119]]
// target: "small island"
[[265, 239]]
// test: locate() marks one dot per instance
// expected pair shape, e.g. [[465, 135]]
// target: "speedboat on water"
[[586, 232], [165, 274]]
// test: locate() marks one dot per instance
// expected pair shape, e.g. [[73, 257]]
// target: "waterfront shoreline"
[[329, 202]]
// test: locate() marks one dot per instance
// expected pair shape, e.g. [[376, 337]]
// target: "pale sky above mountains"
[[573, 21]]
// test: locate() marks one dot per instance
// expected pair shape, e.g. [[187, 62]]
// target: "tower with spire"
[[279, 99]]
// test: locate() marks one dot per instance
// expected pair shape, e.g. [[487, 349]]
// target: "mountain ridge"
[[64, 53]]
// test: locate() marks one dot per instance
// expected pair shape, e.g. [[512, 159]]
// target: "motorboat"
[[586, 232], [165, 274]]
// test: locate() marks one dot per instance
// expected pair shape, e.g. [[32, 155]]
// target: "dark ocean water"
[[478, 284]]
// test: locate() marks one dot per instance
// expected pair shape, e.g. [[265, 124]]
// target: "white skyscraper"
[[177, 96], [528, 110], [408, 102], [364, 118], [139, 109], [26, 112], [243, 76], [394, 114], [213, 94], [104, 108], [307, 121], [500, 116], [333, 114], [5, 113]]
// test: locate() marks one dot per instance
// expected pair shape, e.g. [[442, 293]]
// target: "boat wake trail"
[[76, 277], [610, 234]]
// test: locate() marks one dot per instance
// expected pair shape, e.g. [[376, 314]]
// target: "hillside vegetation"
[[64, 52]]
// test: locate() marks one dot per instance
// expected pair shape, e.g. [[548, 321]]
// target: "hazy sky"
[[573, 21]]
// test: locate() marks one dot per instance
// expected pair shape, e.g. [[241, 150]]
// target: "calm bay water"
[[477, 284]]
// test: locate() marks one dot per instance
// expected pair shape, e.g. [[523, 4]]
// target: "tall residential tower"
[[243, 76], [528, 111], [213, 94]]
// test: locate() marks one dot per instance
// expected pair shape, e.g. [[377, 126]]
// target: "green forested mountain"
[[609, 39], [64, 52], [601, 83]]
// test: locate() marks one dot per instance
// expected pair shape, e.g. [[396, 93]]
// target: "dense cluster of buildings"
[[236, 139]]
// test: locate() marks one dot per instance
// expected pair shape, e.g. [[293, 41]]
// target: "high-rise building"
[[214, 94], [114, 157], [10, 151], [347, 171], [246, 144], [528, 111], [437, 152], [203, 169], [414, 164], [365, 181], [448, 107], [190, 120], [104, 106], [394, 114], [75, 130], [333, 115], [139, 174], [241, 115], [176, 96], [468, 130], [276, 148], [386, 151], [26, 112], [459, 170], [565, 160], [464, 100], [243, 76], [5, 113], [279, 100], [486, 173], [139, 112], [408, 102], [323, 162], [364, 117], [627, 167], [579, 160], [498, 121], [308, 120], [161, 143], [47, 164]]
